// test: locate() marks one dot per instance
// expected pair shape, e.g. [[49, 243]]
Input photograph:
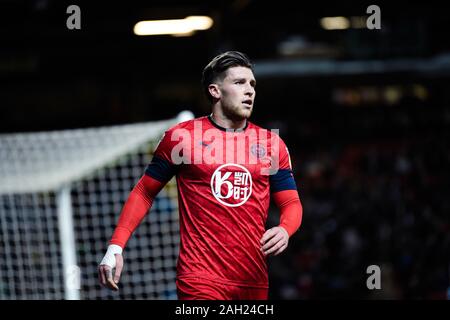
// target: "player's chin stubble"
[[239, 113]]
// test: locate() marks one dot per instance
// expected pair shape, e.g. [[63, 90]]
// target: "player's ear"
[[214, 90]]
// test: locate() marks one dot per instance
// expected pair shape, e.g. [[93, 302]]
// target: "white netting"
[[100, 165]]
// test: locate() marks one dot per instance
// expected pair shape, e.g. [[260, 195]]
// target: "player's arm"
[[133, 212], [284, 193], [138, 204], [276, 239]]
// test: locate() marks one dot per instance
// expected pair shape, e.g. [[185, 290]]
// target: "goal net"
[[61, 194]]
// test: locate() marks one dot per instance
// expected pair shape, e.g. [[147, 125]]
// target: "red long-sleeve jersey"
[[224, 180]]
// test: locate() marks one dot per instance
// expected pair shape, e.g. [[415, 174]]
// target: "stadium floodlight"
[[61, 193], [186, 26], [335, 23]]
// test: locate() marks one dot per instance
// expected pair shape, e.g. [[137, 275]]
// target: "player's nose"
[[249, 91]]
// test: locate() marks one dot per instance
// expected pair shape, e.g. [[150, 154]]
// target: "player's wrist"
[[110, 259], [115, 249], [285, 230]]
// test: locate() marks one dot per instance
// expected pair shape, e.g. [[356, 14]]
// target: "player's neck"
[[227, 123]]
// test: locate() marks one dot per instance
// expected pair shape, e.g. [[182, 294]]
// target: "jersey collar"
[[226, 129]]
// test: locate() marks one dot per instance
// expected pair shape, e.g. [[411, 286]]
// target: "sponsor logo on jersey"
[[231, 184]]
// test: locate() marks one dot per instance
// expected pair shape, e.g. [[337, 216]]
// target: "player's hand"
[[112, 260], [274, 241]]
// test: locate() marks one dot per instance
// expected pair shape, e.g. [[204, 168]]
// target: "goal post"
[[61, 193]]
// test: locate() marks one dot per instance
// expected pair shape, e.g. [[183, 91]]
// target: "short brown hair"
[[217, 67]]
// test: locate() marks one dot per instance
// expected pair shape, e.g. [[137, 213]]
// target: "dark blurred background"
[[365, 113]]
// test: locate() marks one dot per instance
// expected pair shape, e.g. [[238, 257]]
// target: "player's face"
[[237, 93]]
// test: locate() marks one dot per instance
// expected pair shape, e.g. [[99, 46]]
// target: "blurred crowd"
[[381, 202]]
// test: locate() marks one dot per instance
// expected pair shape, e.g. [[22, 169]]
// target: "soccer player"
[[227, 169]]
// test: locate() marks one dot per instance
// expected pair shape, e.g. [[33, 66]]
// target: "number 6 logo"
[[233, 187]]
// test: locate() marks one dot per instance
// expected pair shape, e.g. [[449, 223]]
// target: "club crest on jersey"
[[258, 150], [231, 184]]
